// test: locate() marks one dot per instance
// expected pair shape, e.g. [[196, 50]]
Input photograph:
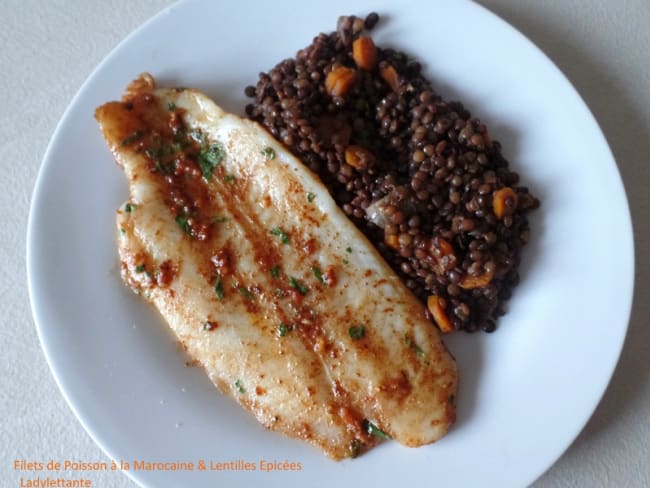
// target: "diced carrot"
[[390, 76], [435, 306], [359, 157], [340, 80], [504, 202], [392, 241], [469, 282], [364, 53]]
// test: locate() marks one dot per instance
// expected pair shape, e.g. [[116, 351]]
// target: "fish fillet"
[[268, 286]]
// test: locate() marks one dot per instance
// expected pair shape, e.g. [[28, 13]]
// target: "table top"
[[49, 49]]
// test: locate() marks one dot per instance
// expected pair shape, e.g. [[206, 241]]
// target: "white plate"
[[526, 390]]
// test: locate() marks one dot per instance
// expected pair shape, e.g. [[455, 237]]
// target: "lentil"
[[416, 173]]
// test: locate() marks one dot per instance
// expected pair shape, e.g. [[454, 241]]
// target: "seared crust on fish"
[[285, 304]]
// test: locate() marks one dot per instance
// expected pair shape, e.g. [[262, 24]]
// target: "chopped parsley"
[[357, 332], [140, 268], [275, 271], [131, 138], [219, 219], [240, 387], [279, 231], [372, 429], [348, 250], [218, 288], [130, 207], [154, 153], [161, 151], [245, 292], [411, 343], [210, 158], [157, 154], [345, 261], [311, 196], [298, 286], [318, 274], [182, 222], [165, 169], [171, 106], [355, 448], [284, 329], [229, 178], [268, 153]]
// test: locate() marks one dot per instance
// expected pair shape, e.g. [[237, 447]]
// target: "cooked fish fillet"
[[265, 282]]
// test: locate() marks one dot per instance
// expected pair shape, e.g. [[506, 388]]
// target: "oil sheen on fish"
[[265, 282]]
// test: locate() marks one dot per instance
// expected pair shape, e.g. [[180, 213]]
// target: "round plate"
[[526, 391]]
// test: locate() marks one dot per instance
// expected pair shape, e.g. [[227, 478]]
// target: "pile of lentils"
[[416, 174]]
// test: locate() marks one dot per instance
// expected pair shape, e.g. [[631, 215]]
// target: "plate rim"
[[626, 222]]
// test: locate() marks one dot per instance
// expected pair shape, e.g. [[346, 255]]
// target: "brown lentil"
[[417, 174]]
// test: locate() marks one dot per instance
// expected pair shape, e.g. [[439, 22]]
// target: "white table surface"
[[47, 49]]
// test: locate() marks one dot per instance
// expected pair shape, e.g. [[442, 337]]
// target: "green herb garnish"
[[245, 292], [275, 271], [268, 153], [165, 169], [219, 219], [345, 261], [357, 332], [182, 222], [229, 178], [283, 330], [239, 386], [278, 231], [299, 287], [372, 429], [171, 106], [355, 448], [218, 288], [210, 158], [140, 268], [311, 196], [318, 274], [130, 207], [154, 153], [348, 249], [411, 343], [130, 139], [156, 156]]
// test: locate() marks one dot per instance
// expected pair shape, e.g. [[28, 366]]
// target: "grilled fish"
[[264, 281]]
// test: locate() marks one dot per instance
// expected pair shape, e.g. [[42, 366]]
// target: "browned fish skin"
[[283, 301]]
